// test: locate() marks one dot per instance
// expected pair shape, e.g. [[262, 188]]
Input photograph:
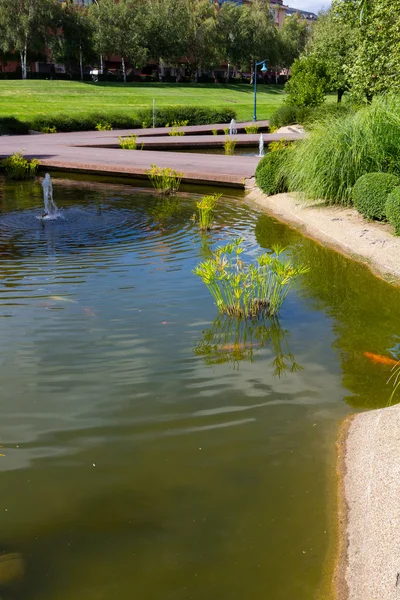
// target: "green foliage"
[[19, 168], [247, 290], [333, 44], [226, 130], [194, 115], [103, 126], [128, 142], [229, 146], [289, 115], [214, 131], [205, 209], [164, 179], [370, 193], [48, 130], [293, 36], [307, 85], [175, 128], [270, 172], [279, 145], [66, 122], [13, 126], [251, 129], [392, 209], [337, 151]]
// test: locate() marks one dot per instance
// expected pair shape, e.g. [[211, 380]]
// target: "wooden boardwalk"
[[95, 152]]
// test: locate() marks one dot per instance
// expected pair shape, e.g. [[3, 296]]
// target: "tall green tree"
[[25, 24], [167, 27], [259, 35], [334, 43], [230, 34], [76, 43], [122, 31], [202, 43], [293, 37]]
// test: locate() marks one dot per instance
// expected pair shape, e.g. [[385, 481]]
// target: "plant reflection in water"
[[232, 340]]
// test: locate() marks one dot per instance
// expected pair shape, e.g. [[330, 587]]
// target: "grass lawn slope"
[[26, 99]]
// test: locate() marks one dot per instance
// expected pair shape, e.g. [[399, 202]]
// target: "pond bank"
[[368, 467], [369, 474], [343, 228]]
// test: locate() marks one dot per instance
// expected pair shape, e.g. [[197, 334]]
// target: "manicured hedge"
[[12, 126], [370, 193], [195, 115], [392, 209], [84, 122], [290, 115], [270, 177], [87, 122]]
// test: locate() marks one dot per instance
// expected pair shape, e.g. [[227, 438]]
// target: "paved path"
[[90, 151]]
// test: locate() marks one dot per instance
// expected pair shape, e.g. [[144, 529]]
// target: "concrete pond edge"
[[367, 545]]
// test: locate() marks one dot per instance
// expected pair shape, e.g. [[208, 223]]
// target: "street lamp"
[[263, 70]]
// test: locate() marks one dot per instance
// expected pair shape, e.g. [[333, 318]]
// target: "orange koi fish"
[[383, 360]]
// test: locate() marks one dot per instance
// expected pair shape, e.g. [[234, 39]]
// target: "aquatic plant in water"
[[103, 126], [19, 168], [129, 142], [231, 340], [164, 179], [251, 129], [175, 127], [205, 208], [229, 146], [248, 290]]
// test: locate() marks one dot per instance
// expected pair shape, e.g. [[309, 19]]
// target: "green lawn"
[[26, 99]]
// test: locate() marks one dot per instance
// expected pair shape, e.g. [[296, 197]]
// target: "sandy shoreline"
[[344, 229], [367, 565]]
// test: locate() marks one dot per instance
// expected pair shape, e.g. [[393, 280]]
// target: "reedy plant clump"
[[19, 168], [175, 127], [327, 163], [164, 180], [229, 146], [248, 290], [205, 209], [251, 129], [129, 142]]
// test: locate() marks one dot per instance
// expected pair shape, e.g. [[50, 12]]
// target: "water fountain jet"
[[232, 127], [50, 208], [261, 152]]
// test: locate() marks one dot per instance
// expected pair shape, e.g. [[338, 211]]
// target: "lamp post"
[[263, 70]]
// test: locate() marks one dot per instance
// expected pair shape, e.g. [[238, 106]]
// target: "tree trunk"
[[81, 61], [23, 54], [252, 73], [101, 63], [340, 93], [123, 69]]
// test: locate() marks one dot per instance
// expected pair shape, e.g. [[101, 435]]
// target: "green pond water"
[[149, 450]]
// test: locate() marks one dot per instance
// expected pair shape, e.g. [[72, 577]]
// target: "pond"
[[147, 452]]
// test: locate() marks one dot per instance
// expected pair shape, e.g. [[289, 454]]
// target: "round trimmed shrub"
[[270, 177], [370, 193], [393, 209]]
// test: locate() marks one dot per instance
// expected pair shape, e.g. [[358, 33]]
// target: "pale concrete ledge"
[[342, 228], [369, 564]]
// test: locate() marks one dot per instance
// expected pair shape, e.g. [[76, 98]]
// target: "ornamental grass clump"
[[164, 179], [128, 143], [19, 168], [175, 127], [205, 209], [248, 290], [251, 129], [339, 150], [392, 209], [103, 126], [229, 146], [371, 192]]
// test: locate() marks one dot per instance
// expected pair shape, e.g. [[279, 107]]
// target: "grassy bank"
[[27, 99]]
